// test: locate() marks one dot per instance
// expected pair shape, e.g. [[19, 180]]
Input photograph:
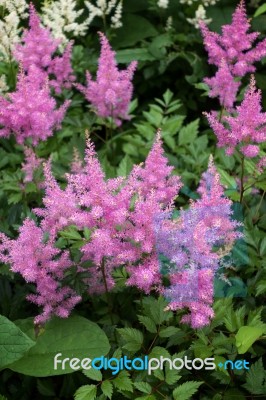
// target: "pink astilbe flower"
[[111, 93], [41, 263], [233, 54], [246, 129], [234, 45], [60, 205], [38, 49], [223, 85], [31, 164], [30, 111]]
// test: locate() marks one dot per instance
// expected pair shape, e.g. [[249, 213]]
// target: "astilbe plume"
[[30, 111], [31, 164], [233, 48], [38, 48], [246, 129], [194, 244], [111, 93], [41, 263]]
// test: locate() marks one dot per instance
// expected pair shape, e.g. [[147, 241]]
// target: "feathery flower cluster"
[[31, 164], [163, 3], [111, 93], [119, 214], [200, 17], [232, 52], [246, 129], [40, 262], [194, 244], [30, 111], [13, 10], [38, 49], [61, 17], [104, 8]]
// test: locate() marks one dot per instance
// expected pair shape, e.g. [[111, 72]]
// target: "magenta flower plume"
[[234, 45], [223, 85], [233, 54], [111, 93], [246, 129], [38, 49], [30, 111], [31, 164], [41, 263]]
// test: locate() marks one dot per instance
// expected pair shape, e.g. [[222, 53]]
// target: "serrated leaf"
[[148, 323], [143, 387], [256, 379], [125, 166], [107, 389], [169, 331], [246, 336], [86, 392], [133, 338], [123, 382], [188, 133], [171, 376], [13, 342], [94, 374], [186, 390]]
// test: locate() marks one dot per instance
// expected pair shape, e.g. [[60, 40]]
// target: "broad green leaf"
[[148, 323], [93, 374], [246, 336], [169, 331], [186, 390], [260, 10], [125, 166], [86, 392], [74, 337], [138, 54], [107, 389], [143, 387], [123, 382], [13, 342], [226, 180], [133, 338], [256, 379], [128, 35], [188, 133]]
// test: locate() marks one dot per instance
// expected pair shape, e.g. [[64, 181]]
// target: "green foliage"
[[13, 342], [186, 390], [74, 336]]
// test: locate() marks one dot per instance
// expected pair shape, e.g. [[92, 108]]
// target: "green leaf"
[[107, 389], [93, 374], [133, 338], [188, 133], [128, 35], [260, 10], [148, 323], [125, 166], [143, 387], [256, 379], [138, 54], [186, 390], [86, 392], [74, 337], [123, 382], [13, 342], [246, 336], [169, 331], [226, 180], [171, 376]]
